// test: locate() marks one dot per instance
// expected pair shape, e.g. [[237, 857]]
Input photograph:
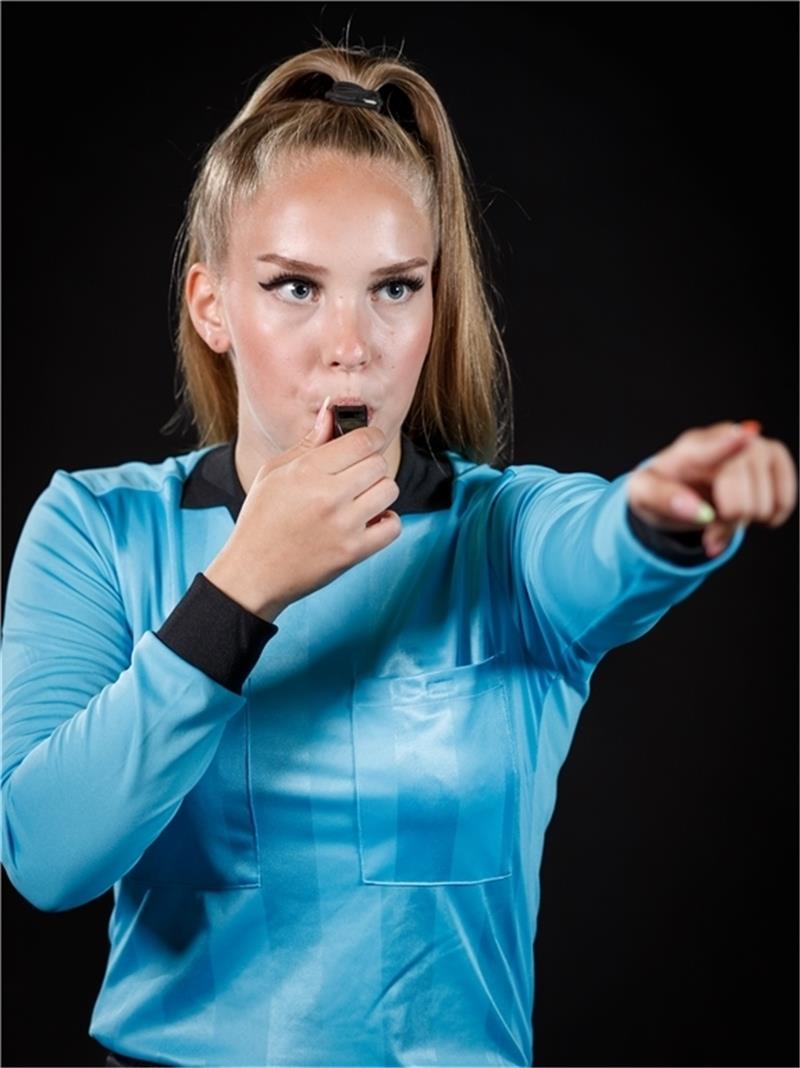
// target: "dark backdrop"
[[637, 168]]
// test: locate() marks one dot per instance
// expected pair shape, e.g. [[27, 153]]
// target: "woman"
[[301, 699]]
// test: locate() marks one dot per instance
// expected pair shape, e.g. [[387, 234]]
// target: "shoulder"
[[118, 493], [135, 476]]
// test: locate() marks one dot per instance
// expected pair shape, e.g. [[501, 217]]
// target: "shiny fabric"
[[340, 866]]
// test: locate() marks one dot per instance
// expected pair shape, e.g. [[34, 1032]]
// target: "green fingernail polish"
[[705, 513]]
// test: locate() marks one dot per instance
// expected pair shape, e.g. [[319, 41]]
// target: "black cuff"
[[216, 634], [684, 547]]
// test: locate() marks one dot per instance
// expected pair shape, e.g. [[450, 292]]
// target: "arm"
[[102, 736], [592, 564], [581, 580]]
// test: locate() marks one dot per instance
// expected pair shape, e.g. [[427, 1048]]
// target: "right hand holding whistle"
[[310, 514]]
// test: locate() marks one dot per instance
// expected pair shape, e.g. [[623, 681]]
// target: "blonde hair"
[[463, 397]]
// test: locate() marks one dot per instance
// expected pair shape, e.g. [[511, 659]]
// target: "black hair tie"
[[354, 95], [389, 100]]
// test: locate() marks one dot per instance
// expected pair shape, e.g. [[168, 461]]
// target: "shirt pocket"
[[211, 842], [436, 779]]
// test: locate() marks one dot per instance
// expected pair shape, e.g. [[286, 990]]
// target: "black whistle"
[[347, 417]]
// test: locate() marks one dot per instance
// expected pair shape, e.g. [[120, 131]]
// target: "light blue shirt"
[[338, 865]]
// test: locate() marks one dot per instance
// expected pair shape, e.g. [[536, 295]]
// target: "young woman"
[[301, 699]]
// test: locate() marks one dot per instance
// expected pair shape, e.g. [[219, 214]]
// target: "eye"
[[406, 281], [284, 279]]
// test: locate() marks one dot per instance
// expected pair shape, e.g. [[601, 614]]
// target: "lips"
[[349, 400]]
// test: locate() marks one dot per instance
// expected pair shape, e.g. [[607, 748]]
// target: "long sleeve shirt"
[[323, 835]]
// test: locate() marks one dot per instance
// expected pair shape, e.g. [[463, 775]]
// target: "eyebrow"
[[301, 265]]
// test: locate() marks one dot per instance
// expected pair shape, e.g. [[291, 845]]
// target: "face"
[[349, 323]]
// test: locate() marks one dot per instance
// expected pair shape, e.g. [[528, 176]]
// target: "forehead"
[[330, 197], [330, 165]]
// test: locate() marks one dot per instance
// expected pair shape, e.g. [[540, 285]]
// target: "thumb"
[[322, 430], [666, 502]]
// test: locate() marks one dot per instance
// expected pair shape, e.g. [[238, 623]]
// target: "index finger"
[[342, 452]]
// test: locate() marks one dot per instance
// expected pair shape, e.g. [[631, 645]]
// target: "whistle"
[[347, 417]]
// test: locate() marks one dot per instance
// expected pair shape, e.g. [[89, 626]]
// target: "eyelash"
[[414, 284]]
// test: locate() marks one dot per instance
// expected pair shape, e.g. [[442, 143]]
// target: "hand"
[[311, 513], [729, 466]]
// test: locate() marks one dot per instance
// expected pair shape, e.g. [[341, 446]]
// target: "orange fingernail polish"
[[752, 425]]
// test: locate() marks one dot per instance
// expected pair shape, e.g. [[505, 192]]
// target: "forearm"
[[610, 582], [86, 801]]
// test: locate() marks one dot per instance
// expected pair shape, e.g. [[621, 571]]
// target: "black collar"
[[425, 481]]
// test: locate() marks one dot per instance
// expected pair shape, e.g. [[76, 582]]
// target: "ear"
[[204, 301]]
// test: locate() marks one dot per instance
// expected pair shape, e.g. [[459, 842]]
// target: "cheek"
[[411, 336], [267, 343], [268, 364], [420, 340], [409, 357], [255, 328]]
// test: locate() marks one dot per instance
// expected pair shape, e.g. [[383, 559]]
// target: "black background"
[[637, 172]]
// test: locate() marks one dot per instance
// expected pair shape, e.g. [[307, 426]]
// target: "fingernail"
[[751, 425], [687, 508], [321, 414]]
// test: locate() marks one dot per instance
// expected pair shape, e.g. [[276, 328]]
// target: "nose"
[[347, 343]]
